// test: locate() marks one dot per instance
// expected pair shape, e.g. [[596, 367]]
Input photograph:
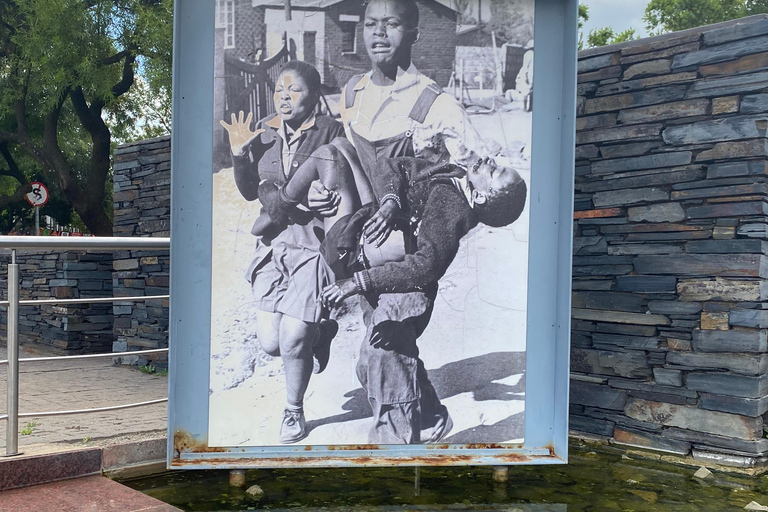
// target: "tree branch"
[[13, 168], [16, 196], [126, 82], [113, 59]]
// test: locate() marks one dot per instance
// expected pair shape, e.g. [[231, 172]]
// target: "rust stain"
[[441, 460], [435, 460], [595, 214], [185, 442], [355, 447]]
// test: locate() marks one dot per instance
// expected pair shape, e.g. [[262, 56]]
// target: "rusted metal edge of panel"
[[357, 459]]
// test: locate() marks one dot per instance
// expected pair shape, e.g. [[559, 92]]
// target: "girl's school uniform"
[[287, 272]]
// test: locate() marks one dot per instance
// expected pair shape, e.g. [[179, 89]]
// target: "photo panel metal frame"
[[549, 273]]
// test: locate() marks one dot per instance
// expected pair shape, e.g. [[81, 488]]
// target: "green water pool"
[[596, 479]]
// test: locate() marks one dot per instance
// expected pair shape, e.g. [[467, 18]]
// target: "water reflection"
[[596, 479]]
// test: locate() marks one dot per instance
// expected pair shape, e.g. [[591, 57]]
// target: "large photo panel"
[[372, 164]]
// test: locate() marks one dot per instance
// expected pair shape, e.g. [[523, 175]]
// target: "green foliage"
[[583, 15], [28, 428], [75, 77], [672, 15], [147, 369], [605, 36]]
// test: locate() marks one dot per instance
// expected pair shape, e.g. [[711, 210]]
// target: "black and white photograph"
[[370, 222]]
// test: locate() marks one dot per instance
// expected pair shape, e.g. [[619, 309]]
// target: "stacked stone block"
[[62, 328], [142, 208], [670, 298]]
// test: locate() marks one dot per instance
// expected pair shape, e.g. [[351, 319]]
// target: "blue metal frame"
[[548, 342]]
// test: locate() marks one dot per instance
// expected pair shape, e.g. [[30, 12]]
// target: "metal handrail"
[[85, 243], [87, 300], [84, 411], [87, 356], [13, 243]]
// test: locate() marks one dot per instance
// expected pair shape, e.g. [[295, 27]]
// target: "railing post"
[[12, 424]]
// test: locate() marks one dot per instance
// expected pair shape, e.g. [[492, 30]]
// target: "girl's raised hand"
[[240, 133]]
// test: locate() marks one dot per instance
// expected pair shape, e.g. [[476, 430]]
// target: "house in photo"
[[255, 37], [329, 34]]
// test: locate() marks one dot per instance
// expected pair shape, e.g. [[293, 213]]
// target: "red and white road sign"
[[39, 194]]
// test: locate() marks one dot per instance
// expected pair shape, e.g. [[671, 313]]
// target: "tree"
[[671, 15], [67, 74], [605, 36]]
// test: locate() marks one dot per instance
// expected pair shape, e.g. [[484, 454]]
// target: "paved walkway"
[[83, 384], [89, 494]]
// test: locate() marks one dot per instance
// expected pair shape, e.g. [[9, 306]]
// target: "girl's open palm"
[[240, 133]]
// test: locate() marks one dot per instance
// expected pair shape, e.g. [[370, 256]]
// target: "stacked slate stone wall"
[[670, 298], [62, 328], [142, 177]]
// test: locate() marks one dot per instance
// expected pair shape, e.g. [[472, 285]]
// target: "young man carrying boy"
[[395, 111]]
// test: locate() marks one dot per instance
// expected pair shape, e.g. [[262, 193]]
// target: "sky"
[[619, 14]]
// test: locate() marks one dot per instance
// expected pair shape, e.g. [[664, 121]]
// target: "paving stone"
[[742, 30], [742, 265], [728, 384], [619, 317], [725, 105], [596, 63], [711, 87], [630, 249], [647, 68], [590, 425], [751, 407], [620, 419], [613, 341], [720, 53], [596, 395], [714, 320], [622, 133], [663, 212], [721, 289], [635, 99], [734, 169], [653, 180], [646, 284], [644, 83], [667, 377], [743, 364], [726, 129], [642, 162], [660, 44], [624, 150], [749, 318], [747, 63], [600, 74], [605, 300], [630, 196], [673, 110], [754, 103], [650, 441], [660, 54], [586, 151], [734, 150], [727, 247], [756, 446], [691, 418], [632, 364], [597, 121]]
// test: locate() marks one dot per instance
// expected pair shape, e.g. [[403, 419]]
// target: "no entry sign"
[[39, 194]]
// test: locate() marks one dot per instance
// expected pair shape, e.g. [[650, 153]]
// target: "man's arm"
[[447, 218]]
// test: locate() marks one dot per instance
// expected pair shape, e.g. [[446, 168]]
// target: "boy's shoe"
[[442, 427], [321, 350], [293, 429]]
